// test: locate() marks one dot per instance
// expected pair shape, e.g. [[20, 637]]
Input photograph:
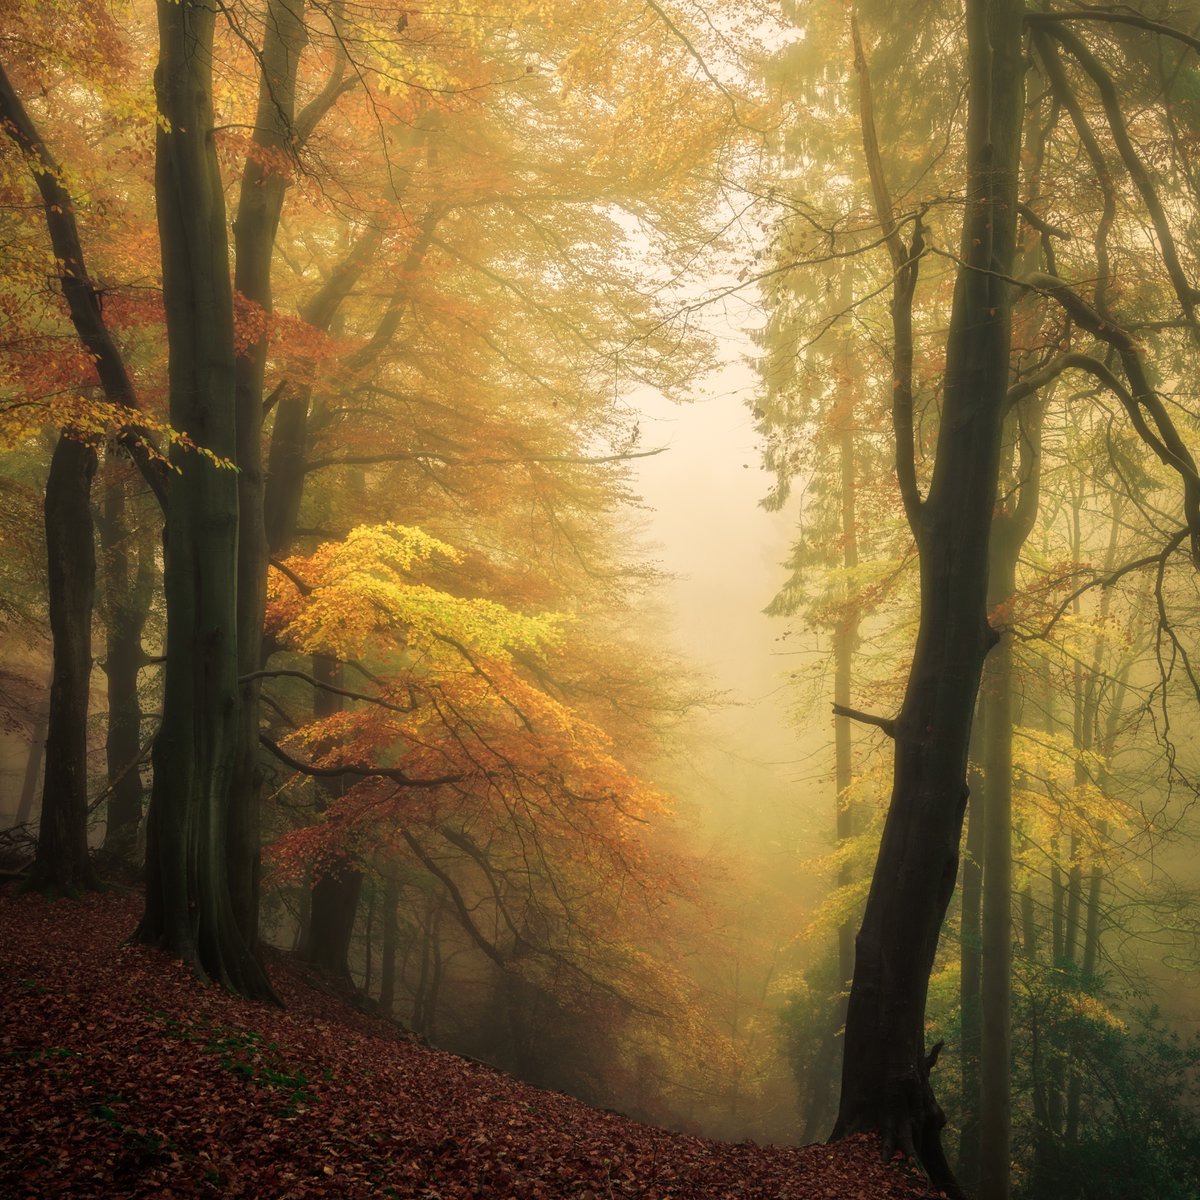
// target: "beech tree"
[[189, 910]]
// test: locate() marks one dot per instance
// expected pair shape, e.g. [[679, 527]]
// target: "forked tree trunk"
[[885, 1078], [188, 907], [62, 864]]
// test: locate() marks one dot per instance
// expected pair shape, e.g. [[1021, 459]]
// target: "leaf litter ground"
[[122, 1076]]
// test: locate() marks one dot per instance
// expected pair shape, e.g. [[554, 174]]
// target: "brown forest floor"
[[122, 1076]]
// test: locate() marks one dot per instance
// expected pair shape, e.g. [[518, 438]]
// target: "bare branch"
[[1187, 294], [887, 724], [1106, 581], [1134, 20], [371, 460], [456, 898]]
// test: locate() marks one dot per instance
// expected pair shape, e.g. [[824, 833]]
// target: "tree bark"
[[260, 203], [33, 768], [845, 641], [387, 958], [189, 911], [128, 581], [62, 864], [995, 1117], [885, 1078], [334, 899], [970, 959]]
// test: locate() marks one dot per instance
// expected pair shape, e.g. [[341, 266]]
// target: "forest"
[[600, 599]]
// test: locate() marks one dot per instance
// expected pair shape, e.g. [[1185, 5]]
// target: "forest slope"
[[122, 1076]]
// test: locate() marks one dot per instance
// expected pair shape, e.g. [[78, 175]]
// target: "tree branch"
[[1105, 581], [327, 687], [1187, 294], [887, 724], [370, 460], [456, 898], [1134, 20], [906, 263], [392, 773], [305, 589], [81, 296]]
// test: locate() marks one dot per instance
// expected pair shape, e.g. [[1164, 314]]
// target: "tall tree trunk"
[[1091, 954], [995, 1118], [288, 457], [128, 588], [189, 911], [62, 864], [885, 1078], [990, 974], [845, 641], [970, 960], [260, 202]]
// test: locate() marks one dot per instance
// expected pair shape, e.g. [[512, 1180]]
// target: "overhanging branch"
[[392, 773]]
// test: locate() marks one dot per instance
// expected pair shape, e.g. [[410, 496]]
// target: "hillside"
[[121, 1076]]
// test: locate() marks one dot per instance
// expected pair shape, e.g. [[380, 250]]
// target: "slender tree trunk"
[[1091, 954], [426, 934], [991, 809], [189, 910], [387, 958], [436, 975], [1029, 932], [845, 644], [970, 962], [368, 936], [845, 641], [260, 202], [62, 864], [885, 1079], [995, 1118], [128, 579], [33, 768]]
